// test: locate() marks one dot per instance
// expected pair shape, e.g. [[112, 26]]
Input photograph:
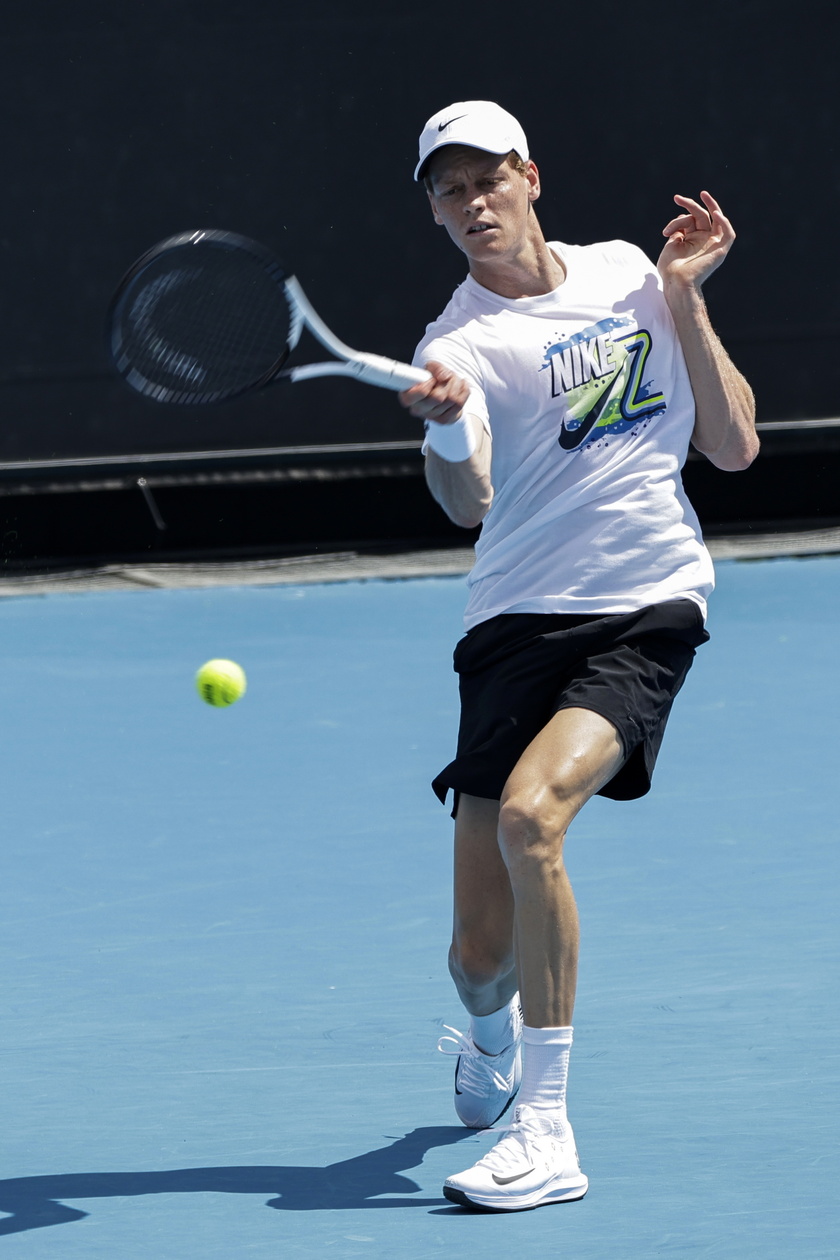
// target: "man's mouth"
[[478, 227]]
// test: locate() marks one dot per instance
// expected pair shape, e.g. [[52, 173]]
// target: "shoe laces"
[[476, 1066], [527, 1127]]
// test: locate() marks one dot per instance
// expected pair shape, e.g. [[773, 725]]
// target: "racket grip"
[[374, 369]]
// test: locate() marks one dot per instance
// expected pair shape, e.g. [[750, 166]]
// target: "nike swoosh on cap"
[[506, 1181], [450, 121]]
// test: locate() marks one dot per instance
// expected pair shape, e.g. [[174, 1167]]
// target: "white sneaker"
[[485, 1084], [536, 1162]]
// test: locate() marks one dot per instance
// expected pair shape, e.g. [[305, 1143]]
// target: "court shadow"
[[35, 1202]]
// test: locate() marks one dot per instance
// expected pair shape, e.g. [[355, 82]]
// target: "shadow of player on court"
[[35, 1202]]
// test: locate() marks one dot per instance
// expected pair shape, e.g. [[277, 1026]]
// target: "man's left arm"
[[698, 241]]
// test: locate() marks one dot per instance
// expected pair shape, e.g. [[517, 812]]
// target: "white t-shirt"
[[586, 396]]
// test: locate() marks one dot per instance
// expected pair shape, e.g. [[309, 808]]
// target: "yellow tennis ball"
[[220, 682]]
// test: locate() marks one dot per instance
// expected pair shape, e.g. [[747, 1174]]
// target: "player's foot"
[[534, 1163], [485, 1084]]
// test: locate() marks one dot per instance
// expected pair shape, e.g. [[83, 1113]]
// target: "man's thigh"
[[563, 766], [483, 897], [517, 672], [566, 763]]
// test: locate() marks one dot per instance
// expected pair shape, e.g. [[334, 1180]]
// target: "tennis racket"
[[205, 316]]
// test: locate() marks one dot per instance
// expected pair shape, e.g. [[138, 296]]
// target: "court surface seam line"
[[350, 566]]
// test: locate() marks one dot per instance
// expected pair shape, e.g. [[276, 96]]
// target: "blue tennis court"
[[224, 937]]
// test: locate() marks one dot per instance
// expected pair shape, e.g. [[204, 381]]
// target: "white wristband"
[[452, 442]]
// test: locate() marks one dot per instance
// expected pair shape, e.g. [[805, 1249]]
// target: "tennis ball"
[[220, 682]]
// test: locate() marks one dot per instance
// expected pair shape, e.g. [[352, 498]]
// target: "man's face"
[[484, 204]]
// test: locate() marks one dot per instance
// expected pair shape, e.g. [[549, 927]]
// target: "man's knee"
[[475, 966], [566, 764], [533, 819]]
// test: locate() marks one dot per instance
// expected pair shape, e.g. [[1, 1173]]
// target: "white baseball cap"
[[477, 124]]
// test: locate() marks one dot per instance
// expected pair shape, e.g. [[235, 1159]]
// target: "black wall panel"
[[297, 124]]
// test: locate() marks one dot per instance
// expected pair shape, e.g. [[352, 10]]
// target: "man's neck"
[[532, 273]]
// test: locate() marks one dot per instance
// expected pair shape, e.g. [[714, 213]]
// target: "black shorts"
[[518, 669]]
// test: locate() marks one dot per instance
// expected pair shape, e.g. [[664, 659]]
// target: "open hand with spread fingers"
[[698, 240]]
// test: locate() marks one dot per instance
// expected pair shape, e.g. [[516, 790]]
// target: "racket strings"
[[202, 323]]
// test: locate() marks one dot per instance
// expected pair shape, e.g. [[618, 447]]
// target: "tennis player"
[[567, 384]]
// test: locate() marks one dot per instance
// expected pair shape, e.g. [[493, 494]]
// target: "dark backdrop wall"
[[297, 124]]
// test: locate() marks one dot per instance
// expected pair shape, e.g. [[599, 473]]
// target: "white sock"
[[494, 1033], [545, 1068]]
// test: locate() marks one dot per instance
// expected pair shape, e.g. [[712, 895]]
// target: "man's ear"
[[533, 177], [438, 220]]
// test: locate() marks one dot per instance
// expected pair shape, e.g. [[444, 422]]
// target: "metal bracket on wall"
[[150, 503]]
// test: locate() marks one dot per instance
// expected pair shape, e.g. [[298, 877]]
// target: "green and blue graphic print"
[[601, 373]]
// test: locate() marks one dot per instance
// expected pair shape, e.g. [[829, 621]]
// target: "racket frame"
[[372, 369]]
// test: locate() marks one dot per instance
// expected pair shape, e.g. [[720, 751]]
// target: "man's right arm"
[[462, 485], [463, 488]]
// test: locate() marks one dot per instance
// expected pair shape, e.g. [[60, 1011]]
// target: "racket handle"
[[374, 369], [370, 368]]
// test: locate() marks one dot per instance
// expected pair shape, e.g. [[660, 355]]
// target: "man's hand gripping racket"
[[206, 316]]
